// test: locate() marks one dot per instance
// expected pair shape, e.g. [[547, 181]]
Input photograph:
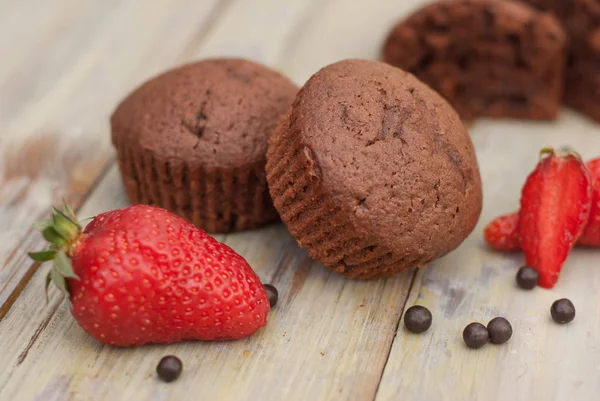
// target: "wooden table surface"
[[64, 66]]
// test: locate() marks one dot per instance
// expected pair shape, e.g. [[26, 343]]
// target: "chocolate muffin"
[[581, 19], [488, 58], [193, 141], [372, 171]]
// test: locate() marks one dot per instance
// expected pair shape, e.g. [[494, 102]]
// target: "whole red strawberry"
[[142, 275], [591, 234], [555, 207]]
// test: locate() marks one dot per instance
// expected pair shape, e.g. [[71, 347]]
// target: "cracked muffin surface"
[[372, 171], [193, 140]]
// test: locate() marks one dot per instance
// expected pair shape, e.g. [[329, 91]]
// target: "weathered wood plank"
[[55, 103], [329, 337], [342, 29], [39, 53], [543, 360], [264, 31]]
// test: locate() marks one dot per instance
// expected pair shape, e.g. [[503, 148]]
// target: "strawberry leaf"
[[64, 226], [53, 237], [43, 256], [59, 281], [69, 212], [64, 215], [63, 266]]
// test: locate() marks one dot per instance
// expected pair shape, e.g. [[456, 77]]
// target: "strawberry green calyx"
[[545, 152], [62, 232], [564, 151]]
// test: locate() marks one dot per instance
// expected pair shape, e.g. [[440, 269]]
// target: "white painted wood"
[[343, 29], [329, 337], [56, 99], [263, 30], [543, 360]]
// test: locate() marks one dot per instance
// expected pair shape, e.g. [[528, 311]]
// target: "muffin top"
[[215, 113], [392, 153]]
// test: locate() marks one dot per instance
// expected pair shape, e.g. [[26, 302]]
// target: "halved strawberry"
[[591, 234], [555, 207], [502, 234]]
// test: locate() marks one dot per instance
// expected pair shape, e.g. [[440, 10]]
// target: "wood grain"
[[543, 360], [329, 337], [342, 29], [57, 93]]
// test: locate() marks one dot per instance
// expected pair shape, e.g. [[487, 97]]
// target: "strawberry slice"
[[502, 234], [591, 234], [555, 207]]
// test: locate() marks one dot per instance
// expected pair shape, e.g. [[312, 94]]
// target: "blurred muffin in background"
[[488, 58]]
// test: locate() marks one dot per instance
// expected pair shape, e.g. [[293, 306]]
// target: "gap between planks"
[[409, 294]]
